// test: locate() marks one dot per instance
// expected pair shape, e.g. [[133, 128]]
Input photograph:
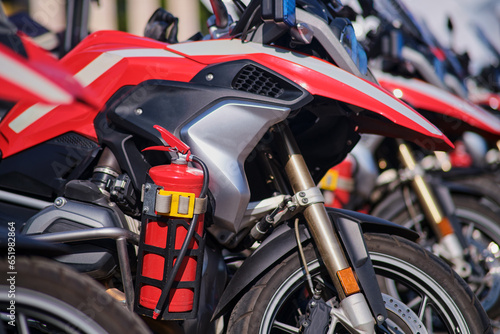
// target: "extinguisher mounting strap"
[[200, 205], [179, 204], [163, 203], [171, 203]]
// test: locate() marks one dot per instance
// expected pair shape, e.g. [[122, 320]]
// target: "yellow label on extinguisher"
[[330, 180]]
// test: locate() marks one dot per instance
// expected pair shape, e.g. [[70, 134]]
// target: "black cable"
[[244, 33], [245, 17], [182, 253], [204, 188]]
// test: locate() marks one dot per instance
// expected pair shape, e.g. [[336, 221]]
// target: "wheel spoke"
[[429, 324], [423, 307], [285, 328], [414, 302], [23, 324]]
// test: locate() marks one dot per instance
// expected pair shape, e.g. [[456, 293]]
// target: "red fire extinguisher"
[[178, 188], [338, 183]]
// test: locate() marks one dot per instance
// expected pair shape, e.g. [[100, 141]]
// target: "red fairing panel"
[[106, 61], [322, 78], [103, 63], [422, 95], [38, 78]]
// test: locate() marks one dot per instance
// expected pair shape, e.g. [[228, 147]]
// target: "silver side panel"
[[223, 137]]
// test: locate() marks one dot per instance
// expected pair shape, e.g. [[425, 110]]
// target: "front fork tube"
[[441, 224], [353, 302]]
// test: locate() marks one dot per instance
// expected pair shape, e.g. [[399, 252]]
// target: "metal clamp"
[[309, 196], [148, 197]]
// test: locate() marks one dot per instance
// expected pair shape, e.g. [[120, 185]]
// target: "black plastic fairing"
[[173, 104], [42, 171], [124, 148], [127, 125], [324, 133]]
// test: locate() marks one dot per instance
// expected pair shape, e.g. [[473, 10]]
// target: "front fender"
[[282, 242]]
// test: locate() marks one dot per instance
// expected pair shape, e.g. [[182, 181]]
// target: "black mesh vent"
[[252, 79], [75, 140]]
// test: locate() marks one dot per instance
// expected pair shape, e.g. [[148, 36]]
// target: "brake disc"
[[401, 319]]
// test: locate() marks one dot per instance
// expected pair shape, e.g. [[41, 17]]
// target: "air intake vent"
[[255, 80], [75, 140]]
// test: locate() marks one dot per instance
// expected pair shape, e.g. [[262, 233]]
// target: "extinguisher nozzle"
[[156, 313]]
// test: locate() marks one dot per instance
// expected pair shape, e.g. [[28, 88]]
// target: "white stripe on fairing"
[[129, 53], [236, 47], [85, 77], [29, 116], [96, 68], [32, 81], [440, 94]]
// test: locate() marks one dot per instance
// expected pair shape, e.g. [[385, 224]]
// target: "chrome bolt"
[[305, 200], [138, 111], [145, 209], [302, 194], [59, 202], [209, 77], [380, 318]]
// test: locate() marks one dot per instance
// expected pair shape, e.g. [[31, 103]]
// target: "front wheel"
[[428, 288]]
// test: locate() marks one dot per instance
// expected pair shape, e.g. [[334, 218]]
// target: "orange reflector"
[[445, 226], [348, 281]]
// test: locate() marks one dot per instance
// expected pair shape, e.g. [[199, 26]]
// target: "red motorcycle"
[[203, 149], [37, 292]]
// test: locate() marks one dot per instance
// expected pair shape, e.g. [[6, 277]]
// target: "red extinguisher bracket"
[[172, 227], [161, 239]]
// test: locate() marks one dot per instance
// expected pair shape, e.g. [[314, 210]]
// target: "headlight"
[[344, 30]]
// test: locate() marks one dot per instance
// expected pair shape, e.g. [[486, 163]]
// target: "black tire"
[[277, 296], [481, 229], [52, 298], [487, 183]]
